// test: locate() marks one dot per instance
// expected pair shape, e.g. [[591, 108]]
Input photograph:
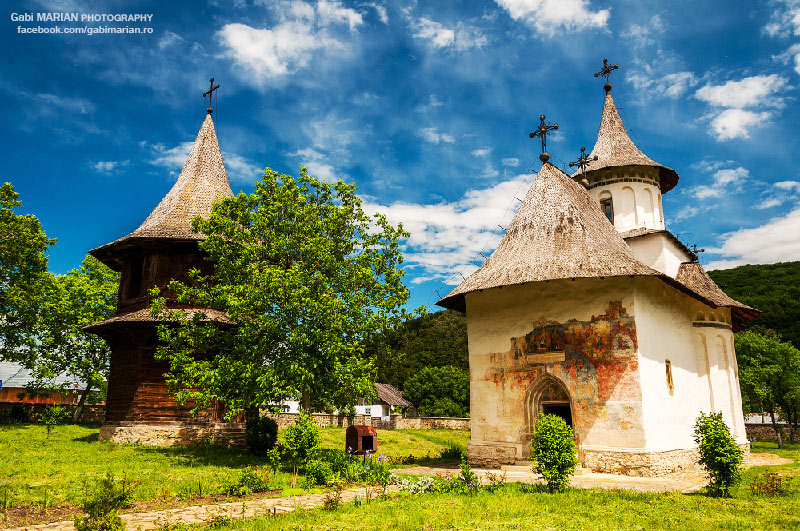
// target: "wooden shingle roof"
[[559, 232], [202, 181], [391, 395], [693, 276], [614, 148]]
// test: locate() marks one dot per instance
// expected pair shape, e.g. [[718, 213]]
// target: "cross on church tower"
[[605, 72], [696, 251], [210, 93], [542, 131], [583, 161]]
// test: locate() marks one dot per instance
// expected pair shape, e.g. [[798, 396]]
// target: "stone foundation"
[[493, 455], [639, 462], [230, 434]]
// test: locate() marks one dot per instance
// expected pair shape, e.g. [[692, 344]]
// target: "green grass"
[[530, 507], [35, 466]]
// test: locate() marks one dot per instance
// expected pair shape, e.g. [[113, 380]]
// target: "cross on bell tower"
[[542, 131], [605, 72], [210, 93], [583, 161]]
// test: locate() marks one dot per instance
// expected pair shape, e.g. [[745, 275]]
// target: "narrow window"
[[669, 376], [608, 209], [135, 277]]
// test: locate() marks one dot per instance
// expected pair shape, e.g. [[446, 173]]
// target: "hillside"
[[774, 289]]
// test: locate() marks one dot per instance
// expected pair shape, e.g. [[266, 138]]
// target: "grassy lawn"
[[35, 466], [529, 507]]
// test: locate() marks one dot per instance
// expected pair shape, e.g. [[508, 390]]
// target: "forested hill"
[[774, 289]]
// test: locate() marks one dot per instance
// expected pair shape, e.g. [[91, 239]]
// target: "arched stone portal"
[[547, 394]]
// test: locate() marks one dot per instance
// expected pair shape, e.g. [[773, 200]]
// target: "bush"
[[102, 504], [52, 416], [318, 472], [439, 391], [553, 448], [719, 454], [769, 484], [251, 479], [302, 439], [19, 413], [261, 433]]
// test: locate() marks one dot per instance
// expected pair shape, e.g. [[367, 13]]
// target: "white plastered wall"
[[636, 204], [665, 327], [494, 316], [659, 252]]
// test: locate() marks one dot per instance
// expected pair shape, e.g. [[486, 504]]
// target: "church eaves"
[[202, 181], [559, 232], [693, 276], [614, 148]]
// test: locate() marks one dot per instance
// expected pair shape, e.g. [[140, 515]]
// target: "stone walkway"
[[200, 514], [685, 481]]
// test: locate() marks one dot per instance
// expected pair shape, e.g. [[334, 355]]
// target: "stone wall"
[[492, 455], [429, 423], [230, 434], [395, 422], [765, 432], [91, 414]]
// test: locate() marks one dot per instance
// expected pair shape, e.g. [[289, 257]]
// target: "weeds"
[[769, 484]]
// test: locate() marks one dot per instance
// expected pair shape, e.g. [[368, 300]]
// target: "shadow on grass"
[[205, 455], [91, 438]]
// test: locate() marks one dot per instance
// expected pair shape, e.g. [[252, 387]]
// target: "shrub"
[[719, 454], [251, 479], [453, 452], [468, 478], [318, 472], [261, 433], [769, 484], [19, 413], [553, 452], [102, 504], [52, 416], [302, 439]]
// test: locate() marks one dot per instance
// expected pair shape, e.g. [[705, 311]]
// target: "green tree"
[[23, 268], [70, 302], [553, 451], [306, 277], [769, 372], [439, 391]]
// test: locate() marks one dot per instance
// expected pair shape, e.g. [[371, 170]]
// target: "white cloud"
[[644, 35], [790, 56], [511, 161], [480, 152], [749, 92], [381, 11], [432, 135], [106, 166], [317, 164], [775, 241], [447, 237], [663, 76], [239, 169], [724, 181], [737, 123], [549, 16], [462, 37], [785, 20], [269, 53], [685, 213], [769, 202], [780, 193], [788, 185]]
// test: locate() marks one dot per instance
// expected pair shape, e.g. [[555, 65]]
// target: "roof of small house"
[[391, 395], [693, 276], [202, 182], [15, 375], [641, 232], [614, 148], [143, 316], [559, 232]]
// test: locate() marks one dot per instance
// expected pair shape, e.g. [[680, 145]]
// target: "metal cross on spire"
[[696, 251], [542, 131], [210, 93], [583, 161], [605, 72]]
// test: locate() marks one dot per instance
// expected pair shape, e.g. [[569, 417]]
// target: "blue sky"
[[426, 106]]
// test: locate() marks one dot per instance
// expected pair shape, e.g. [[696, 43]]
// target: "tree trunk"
[[306, 401], [76, 415], [775, 427]]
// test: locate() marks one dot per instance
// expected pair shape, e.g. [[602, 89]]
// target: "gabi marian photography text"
[[71, 23]]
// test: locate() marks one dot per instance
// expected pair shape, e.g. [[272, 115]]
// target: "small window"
[[368, 411], [608, 209], [670, 385], [135, 277]]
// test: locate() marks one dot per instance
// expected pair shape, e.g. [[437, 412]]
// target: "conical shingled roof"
[[202, 181], [693, 276], [614, 148], [559, 232]]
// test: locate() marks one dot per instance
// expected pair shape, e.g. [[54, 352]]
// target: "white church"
[[590, 309]]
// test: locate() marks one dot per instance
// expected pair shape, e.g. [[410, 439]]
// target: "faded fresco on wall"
[[596, 360]]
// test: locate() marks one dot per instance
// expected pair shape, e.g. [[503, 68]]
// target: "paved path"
[[199, 514], [690, 480], [686, 481]]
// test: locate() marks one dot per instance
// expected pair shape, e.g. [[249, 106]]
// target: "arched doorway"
[[547, 395]]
